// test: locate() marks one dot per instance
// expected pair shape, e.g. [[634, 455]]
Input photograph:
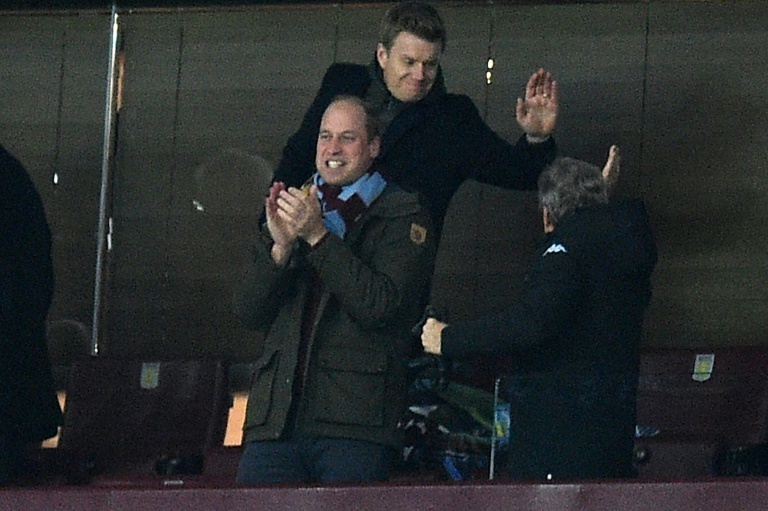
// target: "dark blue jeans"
[[302, 459]]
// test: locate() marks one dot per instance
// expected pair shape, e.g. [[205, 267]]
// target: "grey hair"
[[568, 184]]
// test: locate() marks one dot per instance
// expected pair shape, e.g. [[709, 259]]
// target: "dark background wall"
[[210, 94]]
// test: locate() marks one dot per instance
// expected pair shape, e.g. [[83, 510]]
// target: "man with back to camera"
[[339, 276], [29, 409], [431, 140], [570, 339]]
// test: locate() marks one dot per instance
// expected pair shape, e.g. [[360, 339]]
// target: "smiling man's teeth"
[[334, 164]]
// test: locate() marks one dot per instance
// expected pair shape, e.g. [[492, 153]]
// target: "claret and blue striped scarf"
[[343, 206]]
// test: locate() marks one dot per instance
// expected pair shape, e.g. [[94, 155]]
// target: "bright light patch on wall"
[[489, 73], [55, 178], [109, 235]]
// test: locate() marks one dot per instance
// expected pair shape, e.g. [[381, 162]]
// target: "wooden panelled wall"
[[210, 96]]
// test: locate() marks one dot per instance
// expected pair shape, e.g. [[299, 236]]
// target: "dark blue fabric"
[[29, 409], [303, 459]]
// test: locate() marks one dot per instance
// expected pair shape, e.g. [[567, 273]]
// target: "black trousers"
[[11, 457]]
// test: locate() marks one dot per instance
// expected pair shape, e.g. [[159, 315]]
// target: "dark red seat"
[[142, 416], [691, 409]]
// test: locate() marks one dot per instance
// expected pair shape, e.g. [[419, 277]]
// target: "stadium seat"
[[126, 416]]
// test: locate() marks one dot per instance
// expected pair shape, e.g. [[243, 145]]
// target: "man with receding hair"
[[340, 274]]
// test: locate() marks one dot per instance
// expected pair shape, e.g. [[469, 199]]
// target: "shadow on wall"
[[178, 268], [713, 206], [488, 244], [706, 197], [227, 197], [232, 182], [68, 341]]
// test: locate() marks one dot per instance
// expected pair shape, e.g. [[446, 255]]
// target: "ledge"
[[191, 495]]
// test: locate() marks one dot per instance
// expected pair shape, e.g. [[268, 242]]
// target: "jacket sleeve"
[[26, 266], [491, 159], [537, 315], [393, 278], [263, 287], [298, 159]]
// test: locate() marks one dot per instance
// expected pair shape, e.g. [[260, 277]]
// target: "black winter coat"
[[29, 410], [571, 342], [430, 147]]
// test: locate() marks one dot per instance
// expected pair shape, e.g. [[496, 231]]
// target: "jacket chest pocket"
[[351, 388]]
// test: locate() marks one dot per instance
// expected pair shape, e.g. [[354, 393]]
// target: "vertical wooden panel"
[[492, 235], [136, 314], [52, 95], [705, 156], [466, 57], [596, 53], [210, 99], [357, 32]]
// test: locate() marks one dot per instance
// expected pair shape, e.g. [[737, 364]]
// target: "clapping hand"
[[612, 167]]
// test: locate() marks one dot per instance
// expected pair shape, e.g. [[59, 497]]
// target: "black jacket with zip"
[[570, 345]]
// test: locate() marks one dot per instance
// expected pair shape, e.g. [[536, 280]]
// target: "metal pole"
[[494, 432], [106, 160]]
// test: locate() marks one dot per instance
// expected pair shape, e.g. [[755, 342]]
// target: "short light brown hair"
[[417, 18]]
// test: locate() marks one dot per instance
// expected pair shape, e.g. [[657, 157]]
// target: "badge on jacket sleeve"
[[418, 234]]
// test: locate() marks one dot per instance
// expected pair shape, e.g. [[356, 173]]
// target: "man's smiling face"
[[344, 151], [409, 66]]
